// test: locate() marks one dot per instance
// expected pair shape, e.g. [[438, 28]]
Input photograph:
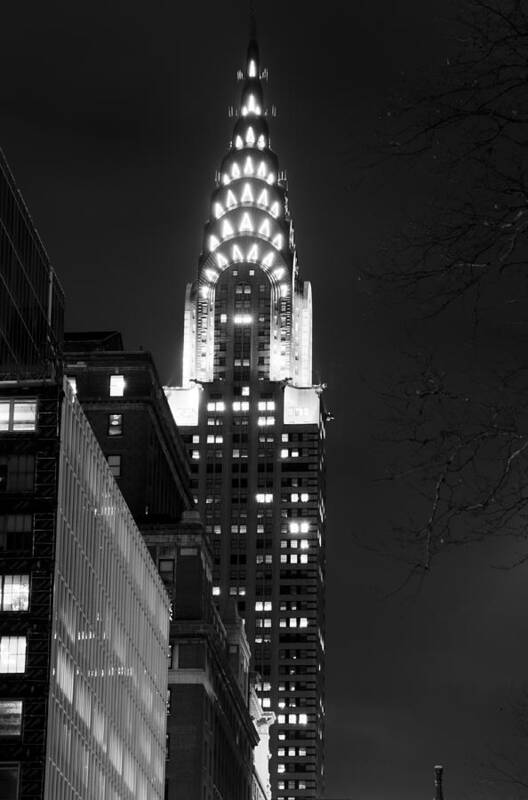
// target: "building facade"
[[83, 612], [254, 426]]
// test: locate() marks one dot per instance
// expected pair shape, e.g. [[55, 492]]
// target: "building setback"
[[254, 427], [211, 732], [83, 612]]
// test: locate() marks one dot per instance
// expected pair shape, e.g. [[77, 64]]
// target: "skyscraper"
[[255, 430]]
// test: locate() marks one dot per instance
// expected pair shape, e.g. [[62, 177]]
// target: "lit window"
[[114, 462], [281, 719], [245, 224], [303, 719], [304, 544], [223, 318], [266, 702], [303, 622], [284, 453], [294, 498], [12, 654], [265, 229], [195, 455], [241, 405], [242, 319], [10, 717], [18, 415], [292, 719], [115, 424], [264, 498], [294, 527], [14, 592], [245, 391], [216, 591], [196, 438], [305, 497], [117, 385], [304, 558], [281, 768], [304, 527]]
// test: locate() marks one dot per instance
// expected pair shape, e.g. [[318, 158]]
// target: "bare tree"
[[459, 424]]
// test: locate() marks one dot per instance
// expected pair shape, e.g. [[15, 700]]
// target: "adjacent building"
[[84, 615], [255, 429], [31, 298], [212, 724]]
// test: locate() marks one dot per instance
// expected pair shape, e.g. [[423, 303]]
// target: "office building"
[[84, 616], [31, 298], [212, 728], [254, 426]]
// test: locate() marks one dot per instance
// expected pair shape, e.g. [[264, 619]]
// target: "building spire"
[[252, 22], [439, 793]]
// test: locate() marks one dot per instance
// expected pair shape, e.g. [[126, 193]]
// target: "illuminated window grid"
[[107, 712]]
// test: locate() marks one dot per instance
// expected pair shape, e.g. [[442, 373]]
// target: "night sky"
[[113, 119]]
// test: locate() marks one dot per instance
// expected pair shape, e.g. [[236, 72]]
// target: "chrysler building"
[[254, 426]]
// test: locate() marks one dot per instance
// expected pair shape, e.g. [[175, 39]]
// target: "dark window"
[[9, 775], [15, 532], [17, 473], [114, 462], [166, 569]]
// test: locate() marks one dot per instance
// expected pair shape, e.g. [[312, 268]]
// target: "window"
[[15, 532], [10, 718], [12, 654], [17, 416], [114, 462], [219, 405], [9, 780], [14, 592], [117, 385], [166, 569], [115, 424], [266, 405], [17, 473]]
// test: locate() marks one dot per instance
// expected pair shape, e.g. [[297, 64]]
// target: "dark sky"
[[113, 119]]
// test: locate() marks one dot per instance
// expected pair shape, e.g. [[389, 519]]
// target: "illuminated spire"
[[249, 223]]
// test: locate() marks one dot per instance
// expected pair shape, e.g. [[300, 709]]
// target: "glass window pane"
[[15, 593], [9, 781], [115, 424], [117, 386], [10, 718], [4, 415], [24, 416], [12, 654]]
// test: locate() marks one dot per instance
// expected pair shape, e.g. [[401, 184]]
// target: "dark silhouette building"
[[31, 298], [254, 426]]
